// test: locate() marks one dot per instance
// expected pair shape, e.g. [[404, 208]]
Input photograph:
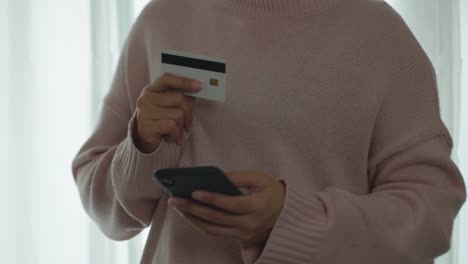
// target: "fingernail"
[[197, 84], [172, 201], [198, 195]]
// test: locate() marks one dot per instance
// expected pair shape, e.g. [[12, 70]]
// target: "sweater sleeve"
[[415, 189], [114, 178]]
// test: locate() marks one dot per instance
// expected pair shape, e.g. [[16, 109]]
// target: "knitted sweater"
[[335, 97]]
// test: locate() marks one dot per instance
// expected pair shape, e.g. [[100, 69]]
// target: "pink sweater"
[[335, 97]]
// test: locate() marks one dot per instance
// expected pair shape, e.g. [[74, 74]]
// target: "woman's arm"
[[407, 218], [113, 177], [416, 190]]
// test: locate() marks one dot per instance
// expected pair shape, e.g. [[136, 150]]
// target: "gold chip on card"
[[213, 82]]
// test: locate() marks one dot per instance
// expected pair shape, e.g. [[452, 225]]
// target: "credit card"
[[209, 70]]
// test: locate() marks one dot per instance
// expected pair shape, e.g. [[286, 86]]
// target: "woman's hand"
[[249, 218], [163, 112]]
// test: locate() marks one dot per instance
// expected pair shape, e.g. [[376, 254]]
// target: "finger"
[[167, 129], [213, 229], [175, 114], [209, 214], [171, 81], [191, 102], [173, 100], [248, 179], [240, 204]]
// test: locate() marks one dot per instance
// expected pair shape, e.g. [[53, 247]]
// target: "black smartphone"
[[181, 182]]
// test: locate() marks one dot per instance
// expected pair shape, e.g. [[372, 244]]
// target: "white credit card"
[[209, 70]]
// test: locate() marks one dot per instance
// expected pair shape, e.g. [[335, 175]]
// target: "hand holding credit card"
[[163, 113], [160, 113], [209, 70]]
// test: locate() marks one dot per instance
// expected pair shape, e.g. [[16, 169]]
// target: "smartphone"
[[181, 182]]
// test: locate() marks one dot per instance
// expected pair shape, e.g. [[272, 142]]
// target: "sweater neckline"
[[274, 8]]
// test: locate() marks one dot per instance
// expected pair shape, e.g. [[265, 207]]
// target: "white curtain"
[[461, 237], [57, 59], [44, 118]]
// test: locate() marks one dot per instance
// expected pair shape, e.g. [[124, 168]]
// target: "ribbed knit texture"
[[334, 97]]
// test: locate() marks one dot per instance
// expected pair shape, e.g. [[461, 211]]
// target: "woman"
[[331, 121]]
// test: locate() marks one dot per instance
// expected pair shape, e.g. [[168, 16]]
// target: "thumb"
[[248, 179]]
